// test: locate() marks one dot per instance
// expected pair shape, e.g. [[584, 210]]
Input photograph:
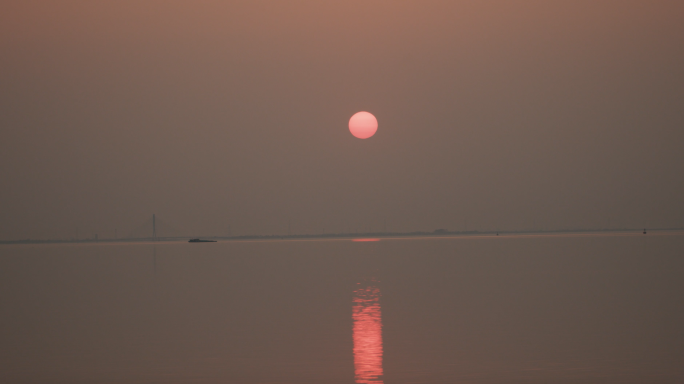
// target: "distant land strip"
[[361, 235]]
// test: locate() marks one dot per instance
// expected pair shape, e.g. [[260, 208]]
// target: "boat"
[[201, 241]]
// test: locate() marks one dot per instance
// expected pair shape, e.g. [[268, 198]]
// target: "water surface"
[[506, 309]]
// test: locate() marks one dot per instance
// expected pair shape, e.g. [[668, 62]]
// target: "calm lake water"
[[506, 309]]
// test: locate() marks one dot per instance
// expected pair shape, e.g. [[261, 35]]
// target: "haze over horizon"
[[223, 117]]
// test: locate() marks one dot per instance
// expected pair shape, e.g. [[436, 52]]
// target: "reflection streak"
[[367, 333]]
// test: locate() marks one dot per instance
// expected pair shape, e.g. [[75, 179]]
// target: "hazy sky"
[[217, 114]]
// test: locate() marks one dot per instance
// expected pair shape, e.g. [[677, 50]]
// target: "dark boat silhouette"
[[201, 241]]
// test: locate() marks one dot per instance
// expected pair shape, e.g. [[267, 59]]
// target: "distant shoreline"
[[341, 236]]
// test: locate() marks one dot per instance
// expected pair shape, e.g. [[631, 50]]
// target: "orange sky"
[[510, 115]]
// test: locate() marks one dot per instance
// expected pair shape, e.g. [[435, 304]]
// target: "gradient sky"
[[216, 115]]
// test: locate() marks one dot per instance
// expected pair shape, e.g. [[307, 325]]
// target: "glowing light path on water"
[[367, 332]]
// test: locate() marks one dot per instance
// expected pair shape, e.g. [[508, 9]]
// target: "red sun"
[[363, 125]]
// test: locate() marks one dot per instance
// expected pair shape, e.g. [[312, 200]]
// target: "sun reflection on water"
[[367, 333]]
